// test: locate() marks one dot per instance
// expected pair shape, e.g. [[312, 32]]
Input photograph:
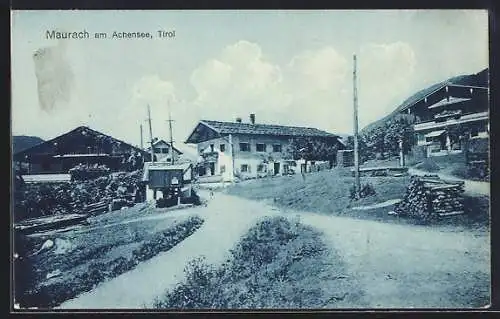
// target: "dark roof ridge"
[[266, 124], [81, 127]]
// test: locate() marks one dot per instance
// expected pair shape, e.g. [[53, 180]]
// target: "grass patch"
[[428, 165], [325, 192], [277, 264], [471, 172], [328, 192], [455, 165], [102, 255]]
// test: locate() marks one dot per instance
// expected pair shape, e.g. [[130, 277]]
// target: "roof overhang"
[[445, 102], [80, 155], [194, 139], [435, 133], [439, 88]]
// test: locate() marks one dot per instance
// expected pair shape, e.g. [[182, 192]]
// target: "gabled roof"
[[412, 102], [225, 128], [479, 81], [163, 141], [74, 131]]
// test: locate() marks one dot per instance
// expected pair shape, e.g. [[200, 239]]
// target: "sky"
[[287, 67]]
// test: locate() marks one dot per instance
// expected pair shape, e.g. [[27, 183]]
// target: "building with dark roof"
[[249, 149], [448, 116], [82, 145]]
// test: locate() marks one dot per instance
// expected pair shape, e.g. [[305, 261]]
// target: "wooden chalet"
[[449, 114], [82, 145]]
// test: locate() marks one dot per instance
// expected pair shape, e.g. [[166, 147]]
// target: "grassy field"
[[324, 191], [278, 264], [328, 192], [321, 192], [109, 245]]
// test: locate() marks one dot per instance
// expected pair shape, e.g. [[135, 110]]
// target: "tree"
[[311, 149], [363, 148], [385, 137]]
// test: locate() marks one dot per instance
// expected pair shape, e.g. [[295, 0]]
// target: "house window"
[[244, 147], [164, 150], [157, 150], [222, 169], [261, 147], [277, 148], [223, 147], [245, 168], [211, 147], [261, 168]]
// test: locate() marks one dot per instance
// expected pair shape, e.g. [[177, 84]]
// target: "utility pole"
[[172, 154], [232, 157], [357, 184], [142, 139], [151, 135]]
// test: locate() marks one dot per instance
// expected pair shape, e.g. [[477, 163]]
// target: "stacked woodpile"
[[430, 197], [89, 197]]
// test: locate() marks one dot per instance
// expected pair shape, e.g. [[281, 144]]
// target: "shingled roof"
[[264, 129], [219, 128], [77, 131]]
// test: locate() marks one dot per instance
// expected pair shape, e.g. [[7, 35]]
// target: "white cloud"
[[320, 70], [239, 79], [313, 89], [151, 89], [386, 74]]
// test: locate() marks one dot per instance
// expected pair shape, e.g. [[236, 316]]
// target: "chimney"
[[238, 120], [252, 118]]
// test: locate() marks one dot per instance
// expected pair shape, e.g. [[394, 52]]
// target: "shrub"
[[365, 191], [83, 172], [479, 171], [24, 271]]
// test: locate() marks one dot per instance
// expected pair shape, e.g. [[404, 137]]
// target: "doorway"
[[276, 168]]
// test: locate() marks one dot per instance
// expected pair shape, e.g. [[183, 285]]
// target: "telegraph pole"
[[172, 154], [232, 157], [151, 135], [357, 184], [142, 139]]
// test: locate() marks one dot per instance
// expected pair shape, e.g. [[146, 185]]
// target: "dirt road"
[[403, 266], [398, 265], [138, 288]]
